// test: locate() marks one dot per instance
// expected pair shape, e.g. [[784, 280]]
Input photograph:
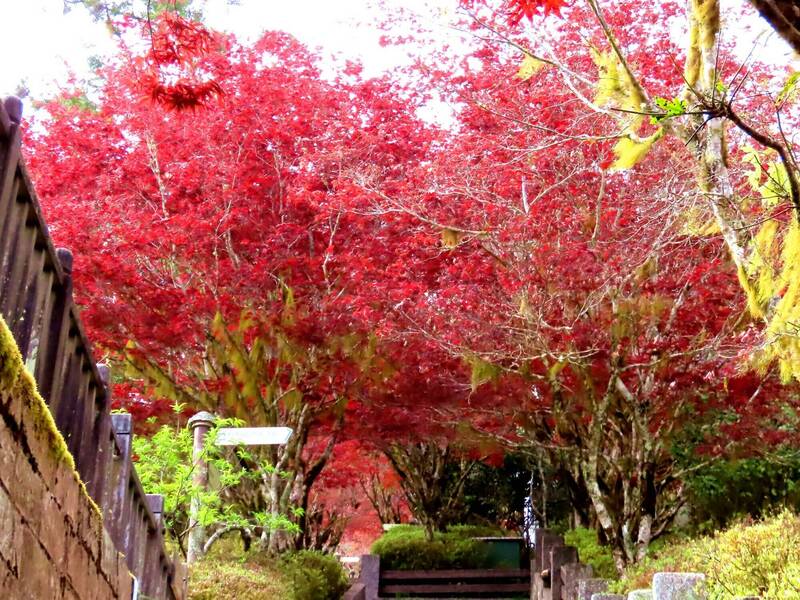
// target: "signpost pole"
[[199, 425]]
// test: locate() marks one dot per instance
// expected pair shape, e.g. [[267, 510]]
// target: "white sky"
[[40, 44]]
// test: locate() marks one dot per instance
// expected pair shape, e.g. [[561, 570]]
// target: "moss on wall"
[[16, 382]]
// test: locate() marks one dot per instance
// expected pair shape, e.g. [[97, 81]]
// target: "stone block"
[[91, 529], [98, 586], [547, 543], [68, 493], [37, 576], [8, 452], [104, 591], [9, 523], [8, 581], [679, 586], [370, 574], [70, 593], [588, 587], [538, 535], [108, 560], [11, 405], [560, 556], [570, 575], [41, 444], [27, 491], [640, 595], [53, 534], [78, 564]]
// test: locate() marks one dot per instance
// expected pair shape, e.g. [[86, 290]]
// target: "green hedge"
[[590, 552], [222, 580], [405, 547], [314, 576]]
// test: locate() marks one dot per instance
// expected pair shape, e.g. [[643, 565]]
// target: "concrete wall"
[[53, 544]]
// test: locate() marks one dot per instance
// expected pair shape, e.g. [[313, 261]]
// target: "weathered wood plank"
[[41, 332], [460, 574], [30, 311], [19, 253], [454, 588]]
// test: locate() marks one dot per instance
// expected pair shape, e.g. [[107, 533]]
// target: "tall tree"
[[216, 259], [600, 306]]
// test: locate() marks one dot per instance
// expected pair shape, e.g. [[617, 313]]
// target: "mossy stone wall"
[[52, 541]]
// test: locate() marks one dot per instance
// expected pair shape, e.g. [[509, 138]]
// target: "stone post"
[[560, 556], [588, 587], [370, 575], [571, 574], [200, 425], [679, 586]]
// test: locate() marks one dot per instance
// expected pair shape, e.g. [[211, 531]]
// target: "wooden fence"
[[36, 303], [376, 583]]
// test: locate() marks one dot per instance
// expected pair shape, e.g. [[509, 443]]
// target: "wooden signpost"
[[200, 424], [253, 436]]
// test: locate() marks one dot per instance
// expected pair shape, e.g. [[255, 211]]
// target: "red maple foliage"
[[516, 11], [508, 287], [173, 76], [527, 9]]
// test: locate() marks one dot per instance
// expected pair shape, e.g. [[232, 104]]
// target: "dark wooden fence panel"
[[36, 303]]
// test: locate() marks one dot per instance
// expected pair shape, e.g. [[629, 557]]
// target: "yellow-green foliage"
[[590, 551], [787, 311], [699, 223], [529, 67], [616, 88], [770, 273], [632, 149], [747, 559], [779, 293], [704, 25], [221, 580], [482, 371], [228, 573], [614, 85], [16, 382]]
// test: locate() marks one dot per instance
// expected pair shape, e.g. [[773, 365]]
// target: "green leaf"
[[670, 109]]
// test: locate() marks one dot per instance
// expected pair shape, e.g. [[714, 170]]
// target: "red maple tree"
[[402, 283]]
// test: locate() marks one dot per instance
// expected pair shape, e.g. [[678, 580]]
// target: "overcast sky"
[[40, 44]]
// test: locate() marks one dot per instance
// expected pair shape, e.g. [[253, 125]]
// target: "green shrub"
[[591, 552], [406, 548], [314, 576], [747, 559], [727, 490]]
